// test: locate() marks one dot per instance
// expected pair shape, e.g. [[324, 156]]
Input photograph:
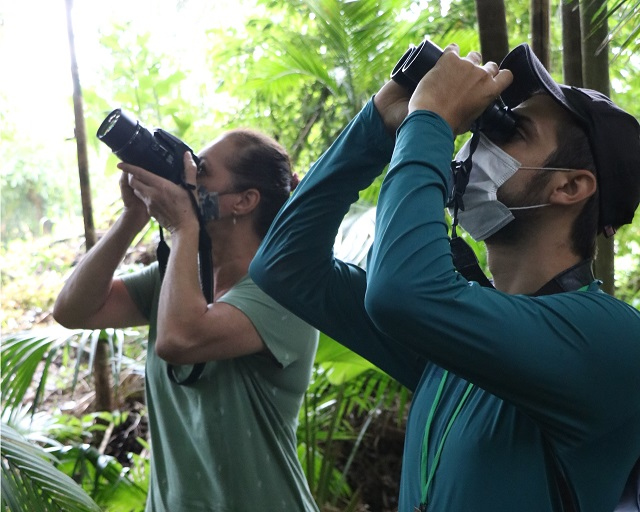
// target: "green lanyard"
[[425, 442]]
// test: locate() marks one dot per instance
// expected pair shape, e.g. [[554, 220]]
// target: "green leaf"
[[30, 482]]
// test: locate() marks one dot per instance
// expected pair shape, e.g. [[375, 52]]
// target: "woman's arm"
[[189, 329], [91, 298]]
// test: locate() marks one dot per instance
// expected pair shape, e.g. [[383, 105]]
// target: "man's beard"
[[525, 222]]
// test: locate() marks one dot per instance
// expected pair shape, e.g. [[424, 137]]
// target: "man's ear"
[[247, 201], [571, 187]]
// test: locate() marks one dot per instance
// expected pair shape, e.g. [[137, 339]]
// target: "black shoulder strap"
[[206, 281], [464, 259], [571, 279], [466, 262]]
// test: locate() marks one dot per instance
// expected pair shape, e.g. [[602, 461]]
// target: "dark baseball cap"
[[614, 135]]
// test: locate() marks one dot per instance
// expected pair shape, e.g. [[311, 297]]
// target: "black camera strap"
[[206, 280], [464, 259]]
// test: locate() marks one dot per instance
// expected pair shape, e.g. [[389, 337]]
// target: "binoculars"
[[497, 121]]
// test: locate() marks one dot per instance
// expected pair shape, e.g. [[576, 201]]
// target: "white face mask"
[[483, 214], [491, 167]]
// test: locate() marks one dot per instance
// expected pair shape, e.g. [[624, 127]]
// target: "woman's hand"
[[167, 202], [135, 211]]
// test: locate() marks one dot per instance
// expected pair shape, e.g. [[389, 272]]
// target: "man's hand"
[[392, 101], [460, 89], [167, 202]]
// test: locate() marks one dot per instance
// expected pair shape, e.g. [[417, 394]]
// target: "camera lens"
[[158, 152], [117, 130], [108, 123]]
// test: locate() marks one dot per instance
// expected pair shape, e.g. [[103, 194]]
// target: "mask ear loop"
[[464, 259]]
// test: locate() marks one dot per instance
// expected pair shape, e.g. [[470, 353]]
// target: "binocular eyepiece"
[[156, 151], [497, 121]]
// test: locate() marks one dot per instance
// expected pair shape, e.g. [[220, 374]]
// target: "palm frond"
[[338, 362], [288, 64], [26, 358], [21, 355], [107, 479], [31, 483]]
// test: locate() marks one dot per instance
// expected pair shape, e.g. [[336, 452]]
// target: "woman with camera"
[[225, 377]]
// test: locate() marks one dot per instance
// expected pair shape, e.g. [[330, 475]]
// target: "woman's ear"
[[571, 187], [247, 201]]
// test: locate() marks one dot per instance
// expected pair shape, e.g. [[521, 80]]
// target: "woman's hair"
[[260, 162], [574, 152]]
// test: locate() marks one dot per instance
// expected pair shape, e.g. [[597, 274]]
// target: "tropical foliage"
[[299, 70], [30, 483]]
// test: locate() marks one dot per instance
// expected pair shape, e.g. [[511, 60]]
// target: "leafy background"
[[298, 70]]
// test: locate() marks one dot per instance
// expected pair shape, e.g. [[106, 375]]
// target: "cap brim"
[[530, 77]]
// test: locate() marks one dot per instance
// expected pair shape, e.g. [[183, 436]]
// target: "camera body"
[[156, 151], [497, 121]]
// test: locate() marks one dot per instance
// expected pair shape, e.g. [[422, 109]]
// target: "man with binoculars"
[[526, 387]]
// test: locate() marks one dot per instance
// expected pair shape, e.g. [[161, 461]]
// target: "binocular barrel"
[[496, 121], [415, 63]]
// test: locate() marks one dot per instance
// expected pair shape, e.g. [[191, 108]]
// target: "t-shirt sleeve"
[[286, 336], [143, 286]]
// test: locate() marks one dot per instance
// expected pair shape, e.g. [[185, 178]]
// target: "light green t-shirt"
[[228, 441]]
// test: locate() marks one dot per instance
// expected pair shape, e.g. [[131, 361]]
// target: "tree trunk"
[[540, 31], [571, 43], [101, 370], [81, 138], [102, 375], [492, 25], [595, 75], [595, 51]]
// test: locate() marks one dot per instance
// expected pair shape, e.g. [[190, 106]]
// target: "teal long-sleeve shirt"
[[555, 380]]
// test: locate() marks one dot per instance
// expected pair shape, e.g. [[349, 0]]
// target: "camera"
[[156, 151], [497, 121]]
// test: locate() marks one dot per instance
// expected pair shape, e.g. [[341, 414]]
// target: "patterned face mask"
[[209, 203]]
